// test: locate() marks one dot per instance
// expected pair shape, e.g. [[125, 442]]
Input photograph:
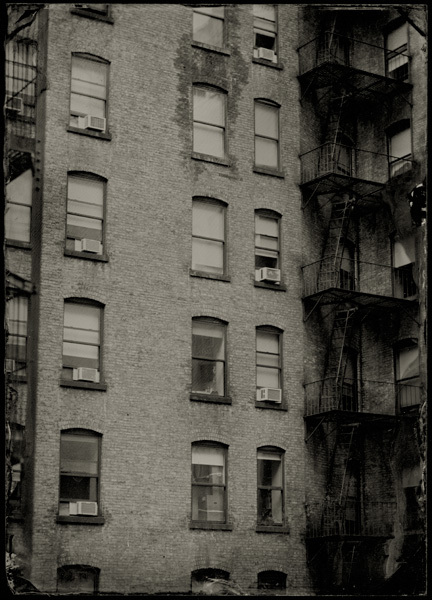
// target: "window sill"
[[205, 46], [210, 159], [84, 385], [209, 525], [271, 405], [266, 171], [89, 133], [205, 275], [82, 520], [82, 12], [270, 286], [212, 399], [267, 63], [272, 529], [86, 255], [18, 244]]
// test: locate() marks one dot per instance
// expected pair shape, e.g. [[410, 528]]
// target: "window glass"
[[81, 337], [208, 231], [77, 579], [268, 359], [208, 483], [404, 285], [18, 207], [209, 122], [397, 59], [16, 346], [407, 364], [88, 89], [84, 211], [266, 135], [266, 242], [264, 27], [270, 485], [208, 25], [208, 357], [400, 148], [202, 581], [271, 580]]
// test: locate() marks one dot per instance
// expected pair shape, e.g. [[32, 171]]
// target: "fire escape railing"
[[337, 159], [359, 395], [335, 49], [351, 519], [20, 92], [360, 276]]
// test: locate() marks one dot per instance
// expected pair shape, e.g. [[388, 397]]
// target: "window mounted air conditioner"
[[268, 274], [9, 365], [269, 395], [88, 245], [90, 122], [14, 104], [86, 374], [83, 508], [266, 54]]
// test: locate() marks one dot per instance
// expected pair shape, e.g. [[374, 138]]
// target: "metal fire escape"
[[338, 174]]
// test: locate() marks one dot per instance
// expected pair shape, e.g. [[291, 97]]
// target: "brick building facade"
[[166, 201]]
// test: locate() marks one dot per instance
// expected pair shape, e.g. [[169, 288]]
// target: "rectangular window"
[[209, 122], [266, 135], [208, 237], [265, 32], [16, 347], [88, 93], [270, 488], [397, 60], [407, 375], [208, 484], [77, 579], [208, 25], [266, 242], [18, 207], [81, 340], [208, 357], [403, 267], [400, 152], [85, 208], [16, 461], [268, 360], [79, 474]]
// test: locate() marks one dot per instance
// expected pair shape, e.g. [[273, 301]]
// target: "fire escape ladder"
[[346, 439], [344, 216]]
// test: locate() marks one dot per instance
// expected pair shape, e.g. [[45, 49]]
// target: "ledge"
[[82, 12], [272, 172], [82, 520], [210, 159], [195, 397], [84, 385], [18, 244], [271, 405], [86, 255], [210, 525], [272, 529], [211, 48], [16, 378], [89, 133], [267, 63], [271, 286], [205, 275]]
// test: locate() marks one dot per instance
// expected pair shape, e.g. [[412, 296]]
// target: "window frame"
[[269, 329], [391, 132], [198, 9], [21, 299], [101, 385], [10, 241], [268, 214], [74, 128], [77, 568], [274, 450], [224, 96], [16, 451], [402, 49], [79, 253], [199, 524], [276, 36], [215, 202], [266, 168], [81, 518], [209, 397], [262, 585], [403, 275], [412, 381]]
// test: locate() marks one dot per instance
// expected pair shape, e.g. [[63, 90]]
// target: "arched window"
[[267, 246], [209, 120], [209, 482], [266, 134], [407, 371], [271, 580], [208, 235], [208, 581], [397, 59], [89, 87], [85, 213], [77, 579], [79, 473], [270, 470], [269, 364], [208, 356]]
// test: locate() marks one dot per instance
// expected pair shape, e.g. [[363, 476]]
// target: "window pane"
[[269, 469], [266, 153], [400, 144], [267, 377], [17, 222], [208, 504], [266, 120], [209, 106], [270, 507], [208, 377], [85, 190], [268, 360], [264, 11], [266, 226], [81, 316], [207, 30], [19, 190], [207, 256], [89, 70], [208, 140], [404, 252], [208, 455], [83, 208], [397, 38], [75, 488], [86, 88], [80, 355], [208, 340], [85, 336], [208, 220], [76, 581], [267, 342], [79, 453], [407, 363], [85, 105], [264, 241], [262, 260]]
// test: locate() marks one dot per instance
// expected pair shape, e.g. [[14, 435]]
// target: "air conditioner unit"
[[90, 122], [88, 245], [266, 54], [9, 365], [14, 104], [83, 508], [269, 395], [268, 274], [86, 374]]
